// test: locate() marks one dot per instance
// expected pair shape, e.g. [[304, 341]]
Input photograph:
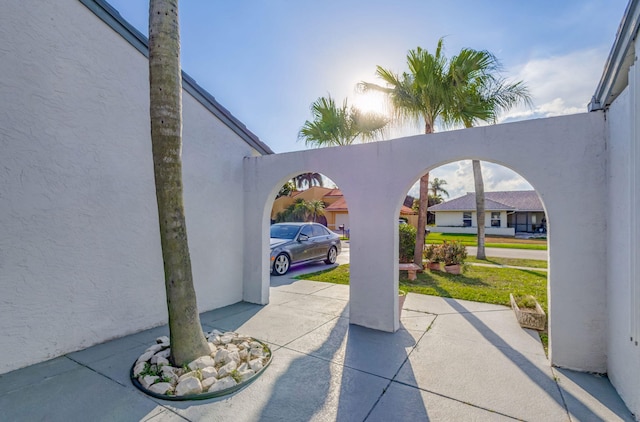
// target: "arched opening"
[[308, 227], [516, 235]]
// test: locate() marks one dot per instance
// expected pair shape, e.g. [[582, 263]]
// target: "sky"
[[267, 61]]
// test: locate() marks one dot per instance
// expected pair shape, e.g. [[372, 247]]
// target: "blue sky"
[[267, 61]]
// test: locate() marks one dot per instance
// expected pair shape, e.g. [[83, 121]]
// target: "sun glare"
[[370, 102]]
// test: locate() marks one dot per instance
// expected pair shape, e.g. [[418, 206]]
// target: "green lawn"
[[479, 284], [490, 241]]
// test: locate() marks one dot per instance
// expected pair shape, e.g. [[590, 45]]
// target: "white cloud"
[[559, 85], [459, 177]]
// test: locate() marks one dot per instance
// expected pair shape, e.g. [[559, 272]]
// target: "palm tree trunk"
[[480, 209], [422, 219], [165, 83]]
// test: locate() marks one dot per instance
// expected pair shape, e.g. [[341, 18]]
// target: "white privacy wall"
[[568, 174], [80, 258], [622, 242]]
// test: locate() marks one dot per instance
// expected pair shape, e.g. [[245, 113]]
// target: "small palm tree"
[[316, 209], [334, 125], [437, 189], [286, 189], [300, 210]]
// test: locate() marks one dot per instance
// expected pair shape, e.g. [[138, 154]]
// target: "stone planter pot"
[[453, 269], [535, 319], [434, 266]]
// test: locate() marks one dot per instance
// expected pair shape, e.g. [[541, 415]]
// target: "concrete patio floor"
[[452, 360]]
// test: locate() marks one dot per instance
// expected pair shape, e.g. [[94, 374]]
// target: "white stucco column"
[[374, 257], [255, 280]]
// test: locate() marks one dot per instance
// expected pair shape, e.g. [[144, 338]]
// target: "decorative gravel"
[[235, 361]]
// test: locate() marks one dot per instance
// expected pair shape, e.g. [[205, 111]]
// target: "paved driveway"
[[313, 267]]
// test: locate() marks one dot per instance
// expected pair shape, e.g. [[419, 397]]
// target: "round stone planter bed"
[[235, 362]]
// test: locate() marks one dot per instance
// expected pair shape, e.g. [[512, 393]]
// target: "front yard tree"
[[463, 89], [422, 94], [165, 85], [482, 98]]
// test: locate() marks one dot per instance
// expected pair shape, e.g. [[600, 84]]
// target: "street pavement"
[[510, 253]]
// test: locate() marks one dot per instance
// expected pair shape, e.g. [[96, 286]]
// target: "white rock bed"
[[234, 360]]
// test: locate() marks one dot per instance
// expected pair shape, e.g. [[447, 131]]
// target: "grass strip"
[[478, 284], [490, 241]]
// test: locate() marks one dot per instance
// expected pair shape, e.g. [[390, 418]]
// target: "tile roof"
[[404, 210], [334, 192], [339, 205], [526, 200]]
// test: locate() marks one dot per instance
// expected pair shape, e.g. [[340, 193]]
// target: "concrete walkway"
[[452, 360]]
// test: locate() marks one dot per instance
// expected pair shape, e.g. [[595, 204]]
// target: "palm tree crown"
[[461, 90], [335, 125]]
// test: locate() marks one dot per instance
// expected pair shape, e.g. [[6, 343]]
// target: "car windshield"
[[284, 231]]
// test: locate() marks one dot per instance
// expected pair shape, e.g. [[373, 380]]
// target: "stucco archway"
[[561, 157]]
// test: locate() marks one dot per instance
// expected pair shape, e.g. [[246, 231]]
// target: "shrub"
[[407, 237], [433, 253], [453, 252]]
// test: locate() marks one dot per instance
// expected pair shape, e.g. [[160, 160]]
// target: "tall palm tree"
[[464, 89], [308, 179], [335, 125], [165, 85], [483, 98], [422, 94]]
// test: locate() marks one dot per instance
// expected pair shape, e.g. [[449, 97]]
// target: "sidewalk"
[[452, 360]]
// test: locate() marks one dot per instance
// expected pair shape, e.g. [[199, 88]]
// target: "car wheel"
[[331, 256], [281, 264]]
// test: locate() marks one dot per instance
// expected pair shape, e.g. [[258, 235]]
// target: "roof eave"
[[111, 17], [622, 55]]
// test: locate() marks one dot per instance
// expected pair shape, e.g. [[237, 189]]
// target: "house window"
[[466, 219], [495, 219]]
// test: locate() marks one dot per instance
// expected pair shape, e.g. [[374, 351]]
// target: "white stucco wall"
[[80, 253], [446, 219], [450, 218], [569, 174], [622, 243]]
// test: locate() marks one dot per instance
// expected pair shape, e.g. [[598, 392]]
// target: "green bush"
[[407, 247], [433, 253], [453, 253]]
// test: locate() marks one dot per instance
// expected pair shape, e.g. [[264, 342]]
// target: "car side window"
[[306, 230], [319, 231]]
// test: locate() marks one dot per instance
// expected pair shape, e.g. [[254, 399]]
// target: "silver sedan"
[[294, 243]]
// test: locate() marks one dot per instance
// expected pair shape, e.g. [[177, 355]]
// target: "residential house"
[[506, 213], [336, 212]]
